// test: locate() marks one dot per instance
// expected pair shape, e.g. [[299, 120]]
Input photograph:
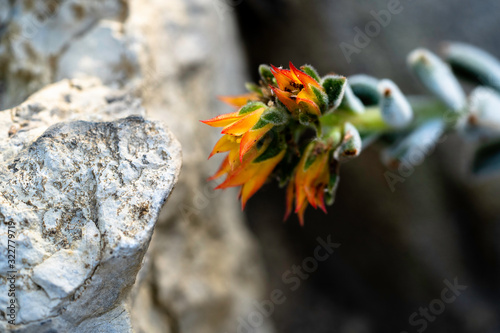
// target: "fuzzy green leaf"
[[266, 74], [334, 87], [251, 106], [311, 71]]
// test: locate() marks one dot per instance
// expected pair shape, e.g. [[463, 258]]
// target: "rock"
[[84, 192], [203, 270], [36, 34]]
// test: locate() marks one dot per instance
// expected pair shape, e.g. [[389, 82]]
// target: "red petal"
[[284, 98], [303, 77], [283, 77]]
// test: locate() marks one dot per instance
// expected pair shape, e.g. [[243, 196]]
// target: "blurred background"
[[397, 247], [422, 256]]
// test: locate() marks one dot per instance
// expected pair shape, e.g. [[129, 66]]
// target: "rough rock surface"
[[84, 194], [203, 271]]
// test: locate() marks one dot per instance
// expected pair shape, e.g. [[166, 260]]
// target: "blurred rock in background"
[[397, 247]]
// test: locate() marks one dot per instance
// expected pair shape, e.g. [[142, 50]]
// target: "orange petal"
[[283, 77], [240, 100], [244, 124], [241, 172], [224, 168], [289, 199], [264, 169], [225, 143], [309, 105], [311, 195], [222, 120], [320, 199], [285, 98], [304, 78], [251, 137], [300, 213], [300, 197]]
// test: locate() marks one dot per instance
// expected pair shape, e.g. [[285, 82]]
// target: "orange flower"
[[251, 157], [311, 178], [250, 174], [242, 129], [298, 91]]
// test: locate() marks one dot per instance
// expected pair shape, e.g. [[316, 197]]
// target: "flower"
[[310, 180], [298, 91], [252, 156], [265, 137], [251, 173], [243, 129]]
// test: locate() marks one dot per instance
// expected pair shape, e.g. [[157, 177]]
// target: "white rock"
[[83, 223], [204, 269]]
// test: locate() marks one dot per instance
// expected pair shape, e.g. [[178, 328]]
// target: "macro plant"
[[298, 127]]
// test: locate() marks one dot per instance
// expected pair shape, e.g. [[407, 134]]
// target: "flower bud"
[[351, 145], [438, 78], [484, 107]]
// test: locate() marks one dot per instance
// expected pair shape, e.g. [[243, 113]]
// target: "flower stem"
[[371, 120]]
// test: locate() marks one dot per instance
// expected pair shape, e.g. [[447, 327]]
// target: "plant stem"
[[371, 120]]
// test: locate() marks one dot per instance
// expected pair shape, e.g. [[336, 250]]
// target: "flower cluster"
[[298, 127], [276, 131]]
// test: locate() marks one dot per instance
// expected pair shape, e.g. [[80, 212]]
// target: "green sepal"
[[275, 116], [250, 107], [309, 161], [252, 87], [334, 88], [321, 98], [276, 146], [311, 71], [266, 74], [333, 183], [261, 123], [307, 119]]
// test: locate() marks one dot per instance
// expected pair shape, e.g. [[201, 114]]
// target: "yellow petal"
[[251, 137], [244, 124], [225, 143]]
